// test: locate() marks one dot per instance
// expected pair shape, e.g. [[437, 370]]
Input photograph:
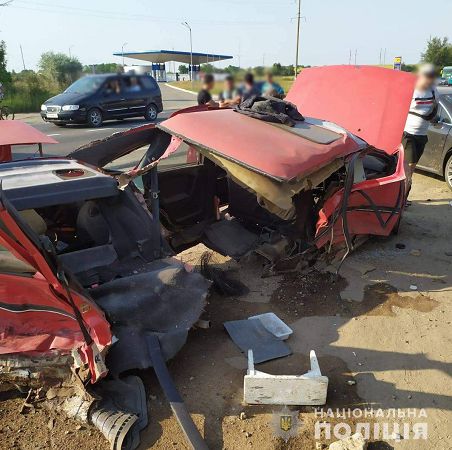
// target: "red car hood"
[[370, 102]]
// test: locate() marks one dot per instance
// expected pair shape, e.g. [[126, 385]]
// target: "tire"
[[151, 113], [95, 118], [448, 172]]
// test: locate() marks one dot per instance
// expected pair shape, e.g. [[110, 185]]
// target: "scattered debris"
[[51, 423], [242, 415], [415, 252], [221, 280], [354, 442], [263, 388], [400, 246], [413, 287], [351, 382], [251, 334], [204, 324], [274, 325]]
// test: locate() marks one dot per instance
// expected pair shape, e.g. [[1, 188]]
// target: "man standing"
[[204, 95], [231, 95], [423, 109]]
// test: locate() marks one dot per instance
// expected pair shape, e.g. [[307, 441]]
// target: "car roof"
[[276, 151], [119, 75]]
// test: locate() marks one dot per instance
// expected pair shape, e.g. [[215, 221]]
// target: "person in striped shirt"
[[423, 109]]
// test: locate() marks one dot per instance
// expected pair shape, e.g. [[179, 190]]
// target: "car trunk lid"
[[370, 102]]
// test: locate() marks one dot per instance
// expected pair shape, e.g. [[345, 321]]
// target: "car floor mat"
[[229, 238], [252, 335]]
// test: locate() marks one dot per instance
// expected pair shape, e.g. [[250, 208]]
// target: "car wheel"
[[448, 172], [95, 118], [151, 113]]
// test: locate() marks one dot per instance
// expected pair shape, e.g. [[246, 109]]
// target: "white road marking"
[[54, 134], [98, 129]]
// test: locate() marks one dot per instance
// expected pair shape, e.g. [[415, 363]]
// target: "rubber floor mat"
[[230, 238], [251, 334]]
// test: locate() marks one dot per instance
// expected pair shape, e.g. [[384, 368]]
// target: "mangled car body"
[[87, 274]]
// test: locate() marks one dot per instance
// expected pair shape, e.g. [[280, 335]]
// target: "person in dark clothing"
[[204, 95], [249, 87], [231, 95]]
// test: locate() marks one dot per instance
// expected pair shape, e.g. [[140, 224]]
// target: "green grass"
[[24, 102]]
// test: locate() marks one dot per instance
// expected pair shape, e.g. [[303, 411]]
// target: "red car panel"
[[370, 102], [251, 143]]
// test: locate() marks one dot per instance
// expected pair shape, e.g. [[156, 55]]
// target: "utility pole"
[[122, 52], [356, 53], [379, 60], [384, 57], [186, 25], [350, 57], [298, 38], [22, 54]]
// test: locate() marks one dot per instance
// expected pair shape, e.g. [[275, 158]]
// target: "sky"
[[255, 32]]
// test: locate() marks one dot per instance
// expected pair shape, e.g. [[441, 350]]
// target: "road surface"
[[74, 136]]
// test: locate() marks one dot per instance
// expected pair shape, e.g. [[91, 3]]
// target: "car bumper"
[[78, 116]]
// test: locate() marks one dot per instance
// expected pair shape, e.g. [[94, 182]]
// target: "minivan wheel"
[[151, 113], [448, 172], [94, 118]]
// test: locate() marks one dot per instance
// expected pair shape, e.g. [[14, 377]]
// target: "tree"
[[102, 68], [259, 71], [438, 52], [233, 70], [5, 76], [183, 69], [60, 68]]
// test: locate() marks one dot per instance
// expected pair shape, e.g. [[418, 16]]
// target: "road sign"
[[397, 63]]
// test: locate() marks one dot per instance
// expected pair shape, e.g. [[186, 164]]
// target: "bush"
[[28, 90]]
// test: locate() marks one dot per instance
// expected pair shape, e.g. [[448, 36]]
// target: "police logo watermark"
[[286, 423]]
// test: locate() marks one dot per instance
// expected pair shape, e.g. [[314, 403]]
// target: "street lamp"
[[186, 25], [122, 52]]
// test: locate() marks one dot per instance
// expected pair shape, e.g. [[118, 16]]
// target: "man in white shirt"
[[423, 109]]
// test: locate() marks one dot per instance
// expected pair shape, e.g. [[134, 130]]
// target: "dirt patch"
[[41, 429], [318, 294]]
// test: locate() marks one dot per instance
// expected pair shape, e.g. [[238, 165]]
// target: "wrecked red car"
[[89, 287]]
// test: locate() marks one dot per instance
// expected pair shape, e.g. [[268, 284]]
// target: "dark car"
[[95, 98], [437, 157]]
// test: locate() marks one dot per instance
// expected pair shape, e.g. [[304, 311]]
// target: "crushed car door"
[[92, 331], [370, 203]]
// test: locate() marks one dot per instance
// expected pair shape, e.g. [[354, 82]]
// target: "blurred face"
[[210, 85], [270, 78], [228, 85], [425, 81]]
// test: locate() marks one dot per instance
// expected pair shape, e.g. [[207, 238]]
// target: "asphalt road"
[[74, 136]]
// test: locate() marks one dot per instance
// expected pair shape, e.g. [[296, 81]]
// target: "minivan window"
[[132, 84], [148, 82], [85, 85]]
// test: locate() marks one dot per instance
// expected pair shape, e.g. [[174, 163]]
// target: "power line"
[[118, 15]]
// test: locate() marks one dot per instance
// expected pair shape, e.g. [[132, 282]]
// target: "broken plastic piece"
[[274, 325], [263, 388]]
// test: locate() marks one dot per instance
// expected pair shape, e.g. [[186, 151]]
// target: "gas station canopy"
[[163, 56]]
